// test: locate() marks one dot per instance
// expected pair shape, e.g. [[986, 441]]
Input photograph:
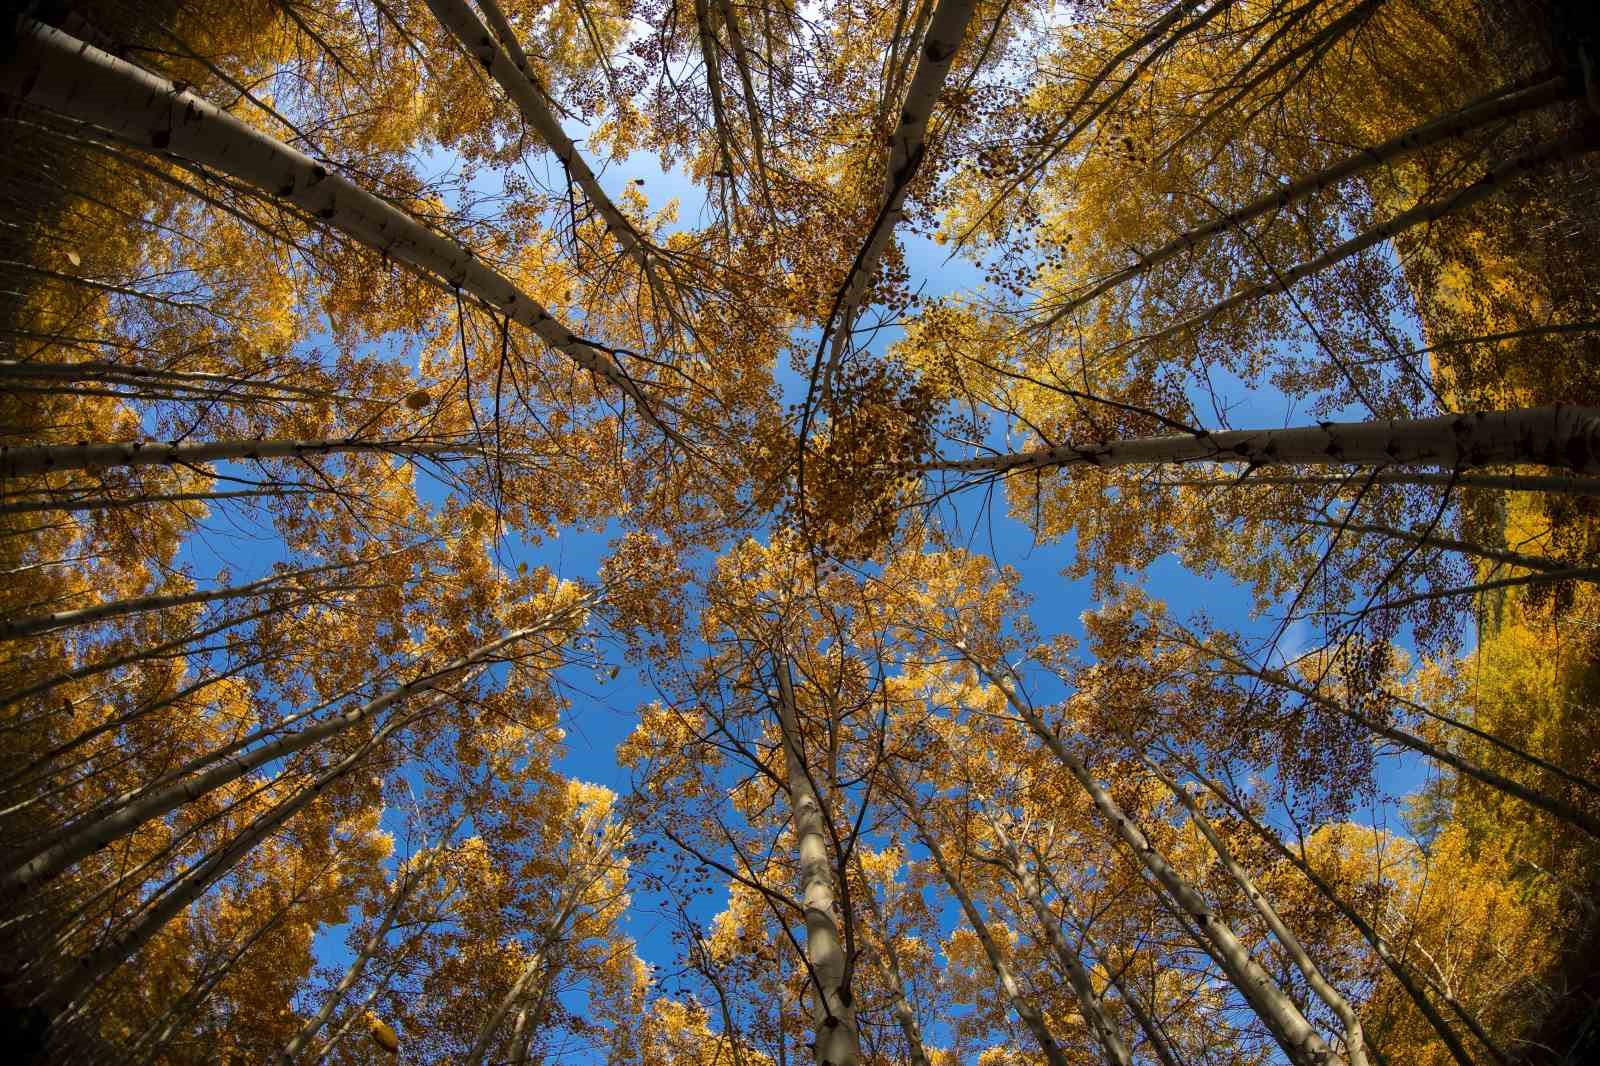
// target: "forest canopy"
[[750, 532]]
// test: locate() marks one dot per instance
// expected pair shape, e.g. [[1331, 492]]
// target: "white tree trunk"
[[1548, 154], [1494, 109], [1094, 1012], [45, 458], [1299, 1038], [1355, 1042], [402, 891], [66, 994], [54, 70], [907, 145], [900, 1005], [92, 833], [15, 628], [1565, 437], [1400, 971], [1020, 1001], [508, 64], [1553, 805], [833, 1002]]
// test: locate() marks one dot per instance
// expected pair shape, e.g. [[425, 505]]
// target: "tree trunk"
[[404, 887], [904, 1015], [1020, 1002], [1094, 1012], [87, 971], [1355, 1043], [1401, 972], [53, 70], [45, 458], [1567, 486], [1498, 106], [833, 1011], [1299, 1039], [1477, 551], [89, 835], [1551, 805], [508, 65], [106, 503], [1547, 154], [15, 628], [1565, 437], [907, 147]]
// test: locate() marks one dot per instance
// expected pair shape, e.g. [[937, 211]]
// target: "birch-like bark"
[[1566, 486], [45, 458], [1402, 973], [833, 1010], [54, 70], [1576, 573], [163, 1028], [337, 1036], [1020, 1001], [116, 662], [1089, 1003], [1479, 551], [1299, 1039], [15, 628], [89, 835], [758, 140], [218, 385], [907, 147], [408, 883], [502, 56], [66, 994], [1552, 805], [108, 503], [572, 898], [1355, 1042], [719, 112], [1502, 105], [1548, 154], [1565, 437], [893, 974]]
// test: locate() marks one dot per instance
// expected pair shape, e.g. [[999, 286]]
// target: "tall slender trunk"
[[22, 461], [407, 884], [1299, 1039], [893, 973], [337, 1036], [1494, 108], [87, 836], [1563, 436], [15, 628], [1551, 805], [1566, 486], [1496, 555], [53, 70], [1401, 972], [1093, 1009], [107, 503], [1550, 153], [1355, 1043], [833, 1008], [907, 148], [502, 56], [68, 993], [1020, 1001]]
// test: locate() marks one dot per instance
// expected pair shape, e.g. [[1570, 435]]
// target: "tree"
[[336, 333]]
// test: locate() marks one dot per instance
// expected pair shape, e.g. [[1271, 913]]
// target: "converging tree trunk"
[[833, 1007]]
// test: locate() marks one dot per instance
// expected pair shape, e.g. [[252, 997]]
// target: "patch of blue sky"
[[603, 711]]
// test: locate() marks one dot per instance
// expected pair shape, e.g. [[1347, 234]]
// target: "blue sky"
[[603, 711]]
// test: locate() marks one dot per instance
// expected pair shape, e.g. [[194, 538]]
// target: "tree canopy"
[[1067, 533]]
